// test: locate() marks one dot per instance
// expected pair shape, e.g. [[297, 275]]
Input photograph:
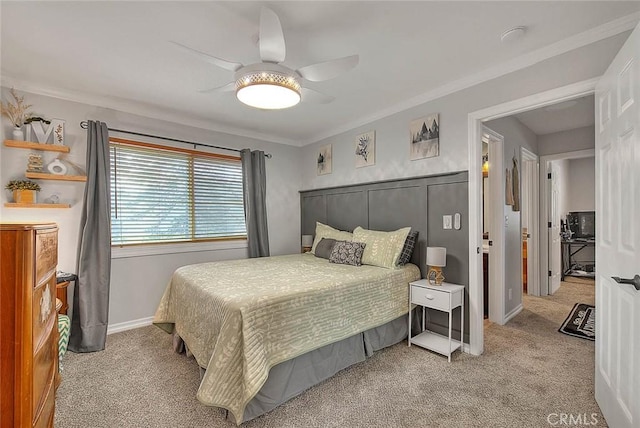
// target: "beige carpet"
[[528, 371]]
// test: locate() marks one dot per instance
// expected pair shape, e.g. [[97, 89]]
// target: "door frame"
[[544, 207], [474, 146], [530, 179]]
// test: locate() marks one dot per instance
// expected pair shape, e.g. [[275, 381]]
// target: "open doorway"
[[525, 160], [569, 199]]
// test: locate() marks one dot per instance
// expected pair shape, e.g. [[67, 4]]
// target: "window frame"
[[120, 250]]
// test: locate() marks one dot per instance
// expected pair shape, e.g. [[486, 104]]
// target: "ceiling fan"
[[269, 84]]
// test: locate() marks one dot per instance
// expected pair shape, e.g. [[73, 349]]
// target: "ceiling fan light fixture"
[[270, 90]]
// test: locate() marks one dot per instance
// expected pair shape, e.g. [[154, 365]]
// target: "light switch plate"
[[446, 222], [456, 221]]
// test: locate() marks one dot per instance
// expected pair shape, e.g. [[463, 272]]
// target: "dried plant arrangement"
[[22, 185], [18, 112]]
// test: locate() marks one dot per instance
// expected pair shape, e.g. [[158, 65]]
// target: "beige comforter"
[[240, 318]]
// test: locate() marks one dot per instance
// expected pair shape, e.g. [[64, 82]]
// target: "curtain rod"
[[84, 124]]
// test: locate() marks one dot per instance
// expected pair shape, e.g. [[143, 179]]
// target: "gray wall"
[[582, 181], [580, 194], [392, 132], [291, 169], [516, 135], [567, 141], [137, 283]]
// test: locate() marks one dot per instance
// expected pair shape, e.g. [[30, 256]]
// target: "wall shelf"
[[16, 205], [44, 176], [36, 146]]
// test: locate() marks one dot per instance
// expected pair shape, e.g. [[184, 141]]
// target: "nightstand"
[[61, 294], [445, 298]]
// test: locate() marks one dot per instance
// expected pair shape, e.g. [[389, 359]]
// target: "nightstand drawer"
[[430, 298]]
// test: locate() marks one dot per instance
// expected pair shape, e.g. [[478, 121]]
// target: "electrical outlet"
[[447, 222], [506, 221], [510, 294]]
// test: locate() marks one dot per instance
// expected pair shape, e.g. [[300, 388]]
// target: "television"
[[582, 224]]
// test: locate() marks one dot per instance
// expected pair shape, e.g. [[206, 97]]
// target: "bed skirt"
[[292, 377]]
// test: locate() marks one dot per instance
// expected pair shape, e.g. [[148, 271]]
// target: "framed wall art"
[[425, 137], [324, 160], [365, 145]]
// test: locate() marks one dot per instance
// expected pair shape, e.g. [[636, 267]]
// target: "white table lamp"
[[436, 260], [307, 242]]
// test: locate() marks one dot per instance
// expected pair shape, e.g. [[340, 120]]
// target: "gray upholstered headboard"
[[389, 205]]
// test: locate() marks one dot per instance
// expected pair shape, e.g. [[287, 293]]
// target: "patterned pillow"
[[324, 231], [347, 253], [324, 247], [383, 248], [407, 250]]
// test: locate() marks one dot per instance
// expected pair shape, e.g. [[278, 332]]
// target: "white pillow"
[[382, 248], [324, 231]]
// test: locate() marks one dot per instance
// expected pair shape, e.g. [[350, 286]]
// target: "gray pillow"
[[407, 250], [324, 247], [347, 253]]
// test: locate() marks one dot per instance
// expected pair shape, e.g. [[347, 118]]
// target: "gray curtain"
[[91, 295], [255, 209]]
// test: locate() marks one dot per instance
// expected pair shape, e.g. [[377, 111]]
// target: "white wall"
[[516, 135], [581, 184], [567, 141], [137, 283]]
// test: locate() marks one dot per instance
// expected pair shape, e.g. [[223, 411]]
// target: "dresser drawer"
[[44, 370], [45, 418], [46, 253], [43, 311], [430, 298]]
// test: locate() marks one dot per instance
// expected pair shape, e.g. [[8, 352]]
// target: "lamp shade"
[[436, 256], [307, 240]]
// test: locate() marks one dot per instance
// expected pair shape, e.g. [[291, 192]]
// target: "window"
[[173, 195]]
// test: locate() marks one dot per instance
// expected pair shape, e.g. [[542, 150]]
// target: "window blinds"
[[161, 195]]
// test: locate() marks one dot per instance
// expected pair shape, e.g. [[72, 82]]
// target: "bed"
[[240, 318], [322, 335]]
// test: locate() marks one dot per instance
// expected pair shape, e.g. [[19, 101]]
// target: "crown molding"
[[138, 108], [601, 32]]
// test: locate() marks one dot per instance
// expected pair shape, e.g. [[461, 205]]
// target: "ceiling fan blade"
[[315, 97], [272, 47], [231, 86], [222, 63], [329, 69]]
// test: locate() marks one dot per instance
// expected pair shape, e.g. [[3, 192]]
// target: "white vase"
[[18, 135]]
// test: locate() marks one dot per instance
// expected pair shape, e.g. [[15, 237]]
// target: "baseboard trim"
[[129, 325], [513, 313]]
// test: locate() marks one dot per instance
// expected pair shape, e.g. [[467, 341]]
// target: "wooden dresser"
[[28, 324]]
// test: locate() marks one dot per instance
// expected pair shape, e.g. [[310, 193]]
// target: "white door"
[[617, 376], [553, 220], [496, 227]]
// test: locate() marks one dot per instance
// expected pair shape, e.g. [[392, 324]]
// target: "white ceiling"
[[564, 116], [118, 53]]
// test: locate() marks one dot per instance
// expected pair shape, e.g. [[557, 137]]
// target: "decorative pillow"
[[407, 250], [347, 253], [382, 248], [324, 247], [324, 231]]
